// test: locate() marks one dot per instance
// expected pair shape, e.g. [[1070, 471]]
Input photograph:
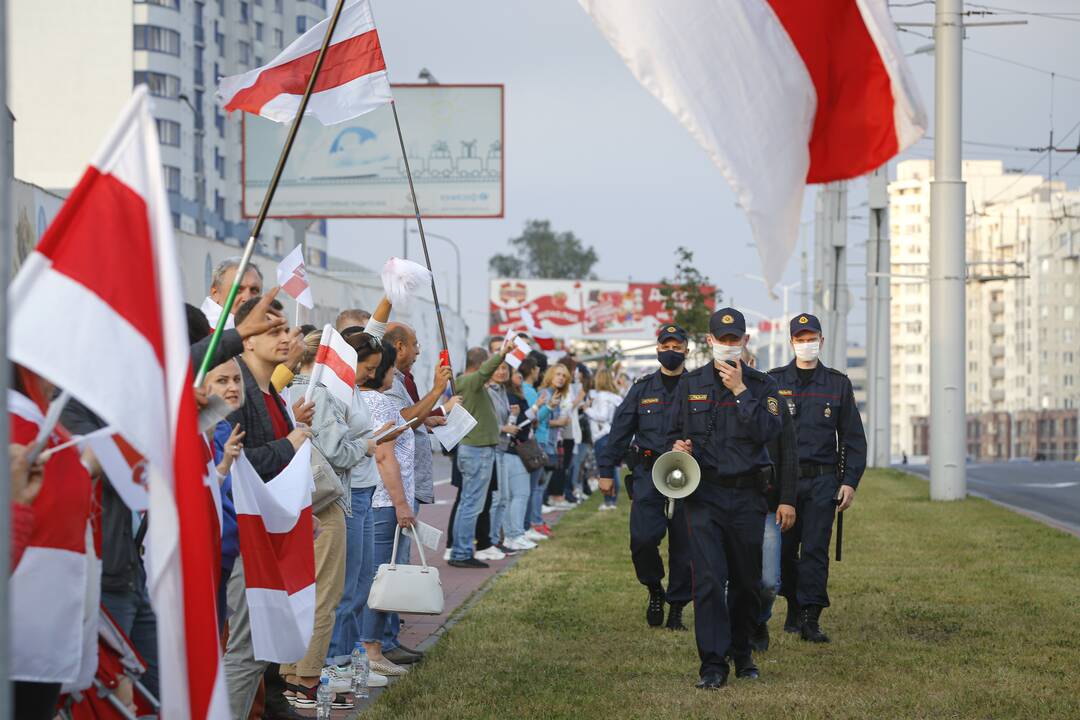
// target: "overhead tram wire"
[[1010, 61]]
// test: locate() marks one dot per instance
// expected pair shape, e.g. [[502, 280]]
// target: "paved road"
[[1050, 491]]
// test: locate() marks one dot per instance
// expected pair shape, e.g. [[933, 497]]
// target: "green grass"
[[940, 610]]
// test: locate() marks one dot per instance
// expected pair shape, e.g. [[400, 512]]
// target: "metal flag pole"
[[245, 259], [423, 238]]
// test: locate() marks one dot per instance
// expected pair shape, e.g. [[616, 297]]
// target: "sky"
[[589, 149]]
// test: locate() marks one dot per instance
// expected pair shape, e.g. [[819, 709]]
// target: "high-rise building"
[[73, 65], [1023, 299]]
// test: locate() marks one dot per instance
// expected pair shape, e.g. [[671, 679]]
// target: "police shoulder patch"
[[773, 405]]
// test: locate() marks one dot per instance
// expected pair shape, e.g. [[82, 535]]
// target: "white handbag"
[[414, 589]]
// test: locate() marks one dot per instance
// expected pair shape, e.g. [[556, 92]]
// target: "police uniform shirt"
[[641, 414], [741, 425], [827, 420]]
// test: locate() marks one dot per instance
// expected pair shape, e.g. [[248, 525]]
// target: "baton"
[[839, 528]]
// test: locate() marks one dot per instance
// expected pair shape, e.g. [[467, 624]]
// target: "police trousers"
[[648, 525], [726, 529], [804, 549]]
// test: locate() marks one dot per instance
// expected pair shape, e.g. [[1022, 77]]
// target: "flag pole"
[[423, 238], [245, 259]]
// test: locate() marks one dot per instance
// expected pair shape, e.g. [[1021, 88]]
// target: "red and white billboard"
[[581, 309]]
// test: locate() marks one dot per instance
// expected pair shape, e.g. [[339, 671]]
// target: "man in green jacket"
[[476, 453]]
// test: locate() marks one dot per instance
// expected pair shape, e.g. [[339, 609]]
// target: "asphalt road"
[[1048, 491]]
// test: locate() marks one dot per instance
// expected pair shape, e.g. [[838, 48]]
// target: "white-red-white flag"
[[780, 93], [292, 277], [121, 303], [518, 352], [335, 366], [351, 82], [125, 467], [542, 337], [59, 575], [213, 313], [278, 549]]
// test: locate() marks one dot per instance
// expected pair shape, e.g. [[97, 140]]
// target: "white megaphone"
[[676, 475]]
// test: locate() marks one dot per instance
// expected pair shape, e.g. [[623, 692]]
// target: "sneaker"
[[387, 669], [490, 553], [605, 506], [563, 505], [375, 680], [533, 535], [546, 509], [402, 656], [471, 563], [446, 555], [522, 542], [340, 678], [546, 529], [506, 550]]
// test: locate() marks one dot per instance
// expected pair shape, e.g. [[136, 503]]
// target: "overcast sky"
[[591, 150]]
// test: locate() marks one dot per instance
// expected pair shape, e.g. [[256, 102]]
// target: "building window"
[[243, 12], [244, 52], [259, 31], [219, 204], [279, 39], [221, 8], [277, 6], [219, 123], [1068, 312], [301, 24], [219, 163], [157, 39], [168, 132], [159, 84], [171, 177], [174, 4]]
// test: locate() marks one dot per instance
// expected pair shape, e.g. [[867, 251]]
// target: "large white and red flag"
[[543, 338], [335, 366], [292, 277], [125, 468], [105, 278], [277, 546], [59, 575], [518, 352], [780, 93], [351, 82]]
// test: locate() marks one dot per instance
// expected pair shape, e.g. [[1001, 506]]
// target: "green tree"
[[540, 252], [690, 297]]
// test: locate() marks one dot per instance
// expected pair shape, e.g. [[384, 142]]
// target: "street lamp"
[[457, 255], [785, 289]]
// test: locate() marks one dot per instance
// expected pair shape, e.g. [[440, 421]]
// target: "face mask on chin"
[[808, 351], [723, 353]]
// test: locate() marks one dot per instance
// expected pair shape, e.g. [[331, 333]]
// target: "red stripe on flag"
[[278, 561], [345, 61], [294, 286], [854, 130], [326, 356], [101, 240], [198, 524]]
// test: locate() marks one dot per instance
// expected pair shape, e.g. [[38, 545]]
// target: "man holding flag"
[[251, 285]]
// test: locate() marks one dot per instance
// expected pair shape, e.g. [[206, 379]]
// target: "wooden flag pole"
[[245, 259], [423, 239]]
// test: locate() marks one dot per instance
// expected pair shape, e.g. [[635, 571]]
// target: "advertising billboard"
[[580, 309], [453, 136]]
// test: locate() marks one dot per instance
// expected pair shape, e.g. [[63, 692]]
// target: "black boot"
[[759, 637], [808, 624], [745, 669], [791, 621], [654, 615], [674, 617]]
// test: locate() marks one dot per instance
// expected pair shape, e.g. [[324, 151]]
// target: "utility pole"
[[878, 357], [947, 263], [831, 298]]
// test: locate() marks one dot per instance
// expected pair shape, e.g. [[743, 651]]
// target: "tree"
[[540, 252], [690, 298]]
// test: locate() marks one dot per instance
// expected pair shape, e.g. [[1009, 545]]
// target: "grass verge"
[[940, 610]]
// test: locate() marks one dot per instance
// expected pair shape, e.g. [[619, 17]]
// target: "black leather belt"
[[755, 479], [813, 470]]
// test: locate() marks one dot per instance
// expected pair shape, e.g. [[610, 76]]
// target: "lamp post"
[[457, 255]]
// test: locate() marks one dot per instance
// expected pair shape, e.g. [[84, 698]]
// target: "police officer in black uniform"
[[724, 413], [639, 435], [832, 457]]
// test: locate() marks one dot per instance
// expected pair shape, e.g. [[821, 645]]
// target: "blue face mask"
[[671, 359]]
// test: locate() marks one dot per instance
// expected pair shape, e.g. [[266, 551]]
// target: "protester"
[[584, 457], [220, 284], [508, 515], [270, 442], [560, 490], [475, 453], [500, 492], [534, 527], [601, 412], [548, 410], [355, 317]]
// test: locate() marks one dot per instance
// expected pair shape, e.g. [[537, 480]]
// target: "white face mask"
[[723, 353], [808, 350]]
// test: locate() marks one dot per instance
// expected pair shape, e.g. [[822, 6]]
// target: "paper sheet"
[[459, 423], [430, 536]]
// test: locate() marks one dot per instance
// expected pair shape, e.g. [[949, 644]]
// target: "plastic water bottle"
[[324, 697], [361, 672]]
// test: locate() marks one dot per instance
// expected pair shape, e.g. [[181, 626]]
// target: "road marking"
[[1050, 486]]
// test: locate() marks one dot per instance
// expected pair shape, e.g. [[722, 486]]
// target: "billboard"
[[453, 136], [581, 309]]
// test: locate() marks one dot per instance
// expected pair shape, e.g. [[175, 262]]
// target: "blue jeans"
[[132, 612], [375, 622], [576, 482], [359, 570], [538, 486], [514, 491], [500, 499], [475, 464], [393, 620], [770, 566]]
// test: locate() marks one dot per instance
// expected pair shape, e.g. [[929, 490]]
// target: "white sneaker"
[[340, 678], [446, 555], [606, 507], [520, 543], [546, 509], [375, 680], [564, 505], [491, 553], [534, 535]]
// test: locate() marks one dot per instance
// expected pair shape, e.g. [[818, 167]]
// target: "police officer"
[[832, 457], [724, 413], [639, 435]]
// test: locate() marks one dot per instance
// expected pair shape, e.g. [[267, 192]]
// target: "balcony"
[[997, 395], [996, 308], [997, 350], [997, 373], [997, 329]]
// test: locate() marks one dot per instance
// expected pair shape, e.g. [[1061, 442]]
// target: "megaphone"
[[676, 475]]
